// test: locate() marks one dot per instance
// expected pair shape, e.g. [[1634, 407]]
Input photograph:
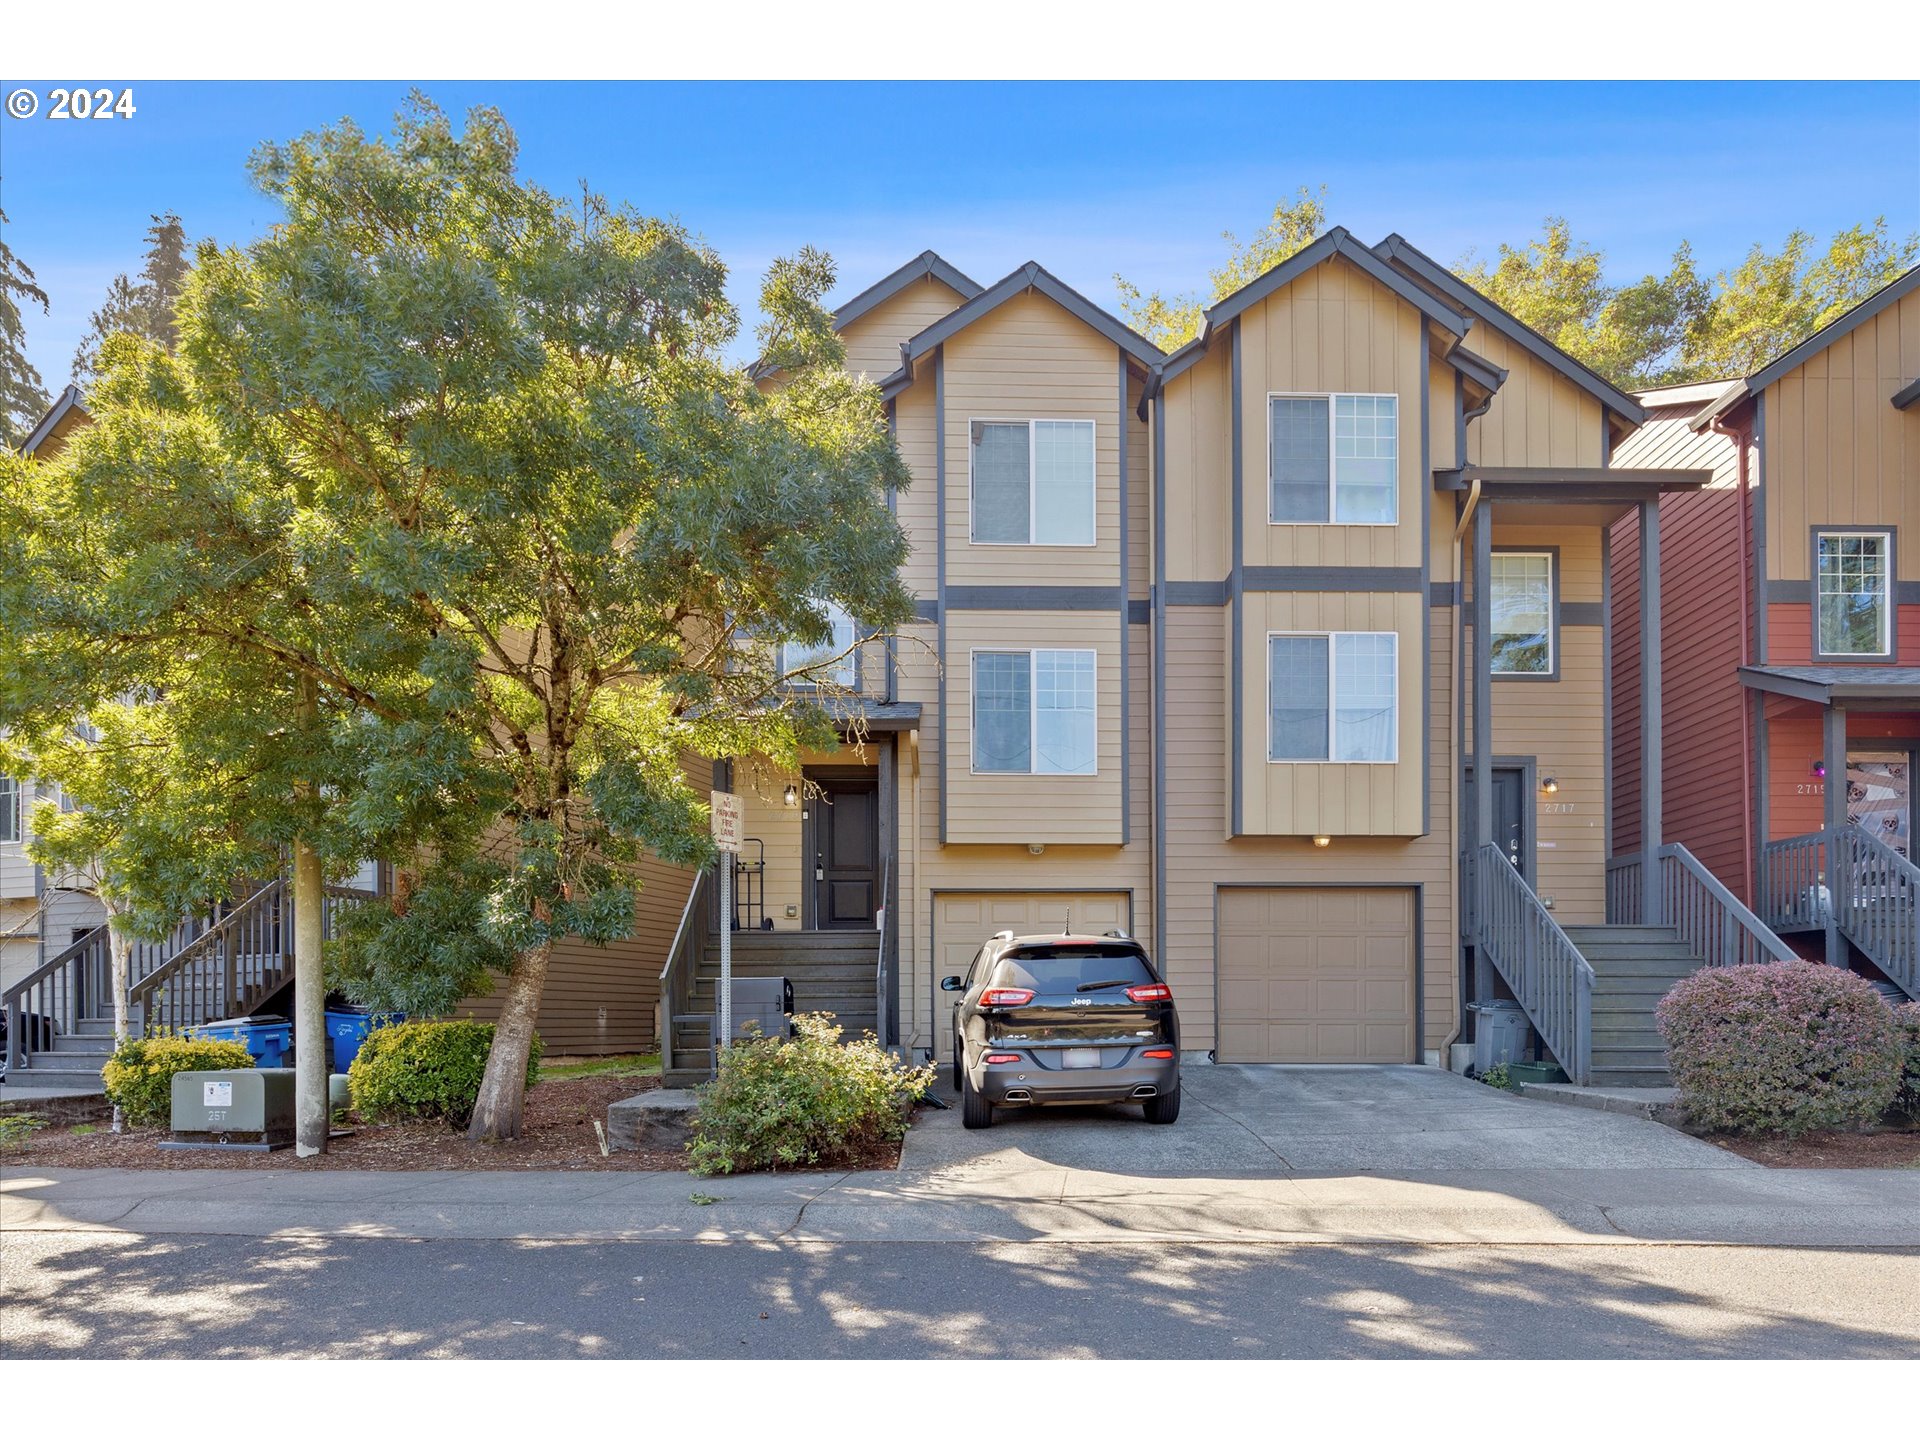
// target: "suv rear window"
[[1062, 969]]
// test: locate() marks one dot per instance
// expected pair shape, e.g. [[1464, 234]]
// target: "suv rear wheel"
[[976, 1111], [1163, 1109]]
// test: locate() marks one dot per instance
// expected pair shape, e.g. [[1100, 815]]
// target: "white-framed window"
[[1521, 597], [1333, 459], [796, 656], [1333, 696], [9, 810], [1034, 712], [1854, 592], [1032, 482]]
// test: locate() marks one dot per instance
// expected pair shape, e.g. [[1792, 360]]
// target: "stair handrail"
[[676, 976], [1875, 890], [880, 1010], [141, 993], [1716, 928], [55, 988], [1548, 975]]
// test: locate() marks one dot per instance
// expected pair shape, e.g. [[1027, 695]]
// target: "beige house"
[[1197, 658]]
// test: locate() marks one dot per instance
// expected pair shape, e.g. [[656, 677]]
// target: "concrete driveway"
[[1321, 1120]]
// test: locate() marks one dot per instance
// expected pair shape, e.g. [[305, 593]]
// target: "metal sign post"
[[729, 815]]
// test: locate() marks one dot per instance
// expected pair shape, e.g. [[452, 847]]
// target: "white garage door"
[[962, 923], [1316, 976]]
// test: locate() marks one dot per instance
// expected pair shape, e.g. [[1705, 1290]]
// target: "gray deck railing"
[[1793, 893], [880, 1006], [1875, 889], [683, 961], [1545, 970], [1716, 927]]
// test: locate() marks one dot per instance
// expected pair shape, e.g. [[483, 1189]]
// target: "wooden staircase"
[[1633, 967], [832, 970]]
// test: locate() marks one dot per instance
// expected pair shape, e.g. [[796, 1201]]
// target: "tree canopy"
[[461, 478], [1660, 329]]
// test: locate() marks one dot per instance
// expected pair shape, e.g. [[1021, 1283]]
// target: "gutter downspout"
[[1459, 720], [1739, 439]]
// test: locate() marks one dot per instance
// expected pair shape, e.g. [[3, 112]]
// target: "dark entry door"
[[1511, 830], [846, 860]]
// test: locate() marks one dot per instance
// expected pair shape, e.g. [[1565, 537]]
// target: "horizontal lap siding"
[[1562, 725], [1703, 703], [873, 341], [1797, 796]]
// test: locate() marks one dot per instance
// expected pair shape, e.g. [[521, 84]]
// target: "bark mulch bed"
[[557, 1134], [1832, 1150]]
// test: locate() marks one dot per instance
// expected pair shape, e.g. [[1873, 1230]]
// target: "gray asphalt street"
[[114, 1294]]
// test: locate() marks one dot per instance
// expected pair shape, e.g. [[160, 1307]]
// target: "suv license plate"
[[1080, 1060]]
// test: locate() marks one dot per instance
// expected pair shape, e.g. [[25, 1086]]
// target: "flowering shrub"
[[805, 1101], [1790, 1047], [1907, 1102]]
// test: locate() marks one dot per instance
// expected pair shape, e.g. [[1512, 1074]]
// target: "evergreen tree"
[[23, 399], [143, 307]]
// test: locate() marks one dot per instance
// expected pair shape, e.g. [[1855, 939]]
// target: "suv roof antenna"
[[1069, 929]]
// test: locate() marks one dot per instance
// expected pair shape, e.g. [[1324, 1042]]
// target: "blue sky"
[[1087, 178]]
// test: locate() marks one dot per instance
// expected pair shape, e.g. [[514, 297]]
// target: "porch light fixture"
[[1036, 849], [791, 796], [1819, 769], [1321, 842], [1550, 785]]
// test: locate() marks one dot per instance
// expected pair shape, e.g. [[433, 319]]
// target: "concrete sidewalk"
[[1005, 1195]]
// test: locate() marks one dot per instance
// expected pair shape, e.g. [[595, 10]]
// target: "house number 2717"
[[1558, 807]]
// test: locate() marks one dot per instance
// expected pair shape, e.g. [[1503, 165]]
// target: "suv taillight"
[[1140, 994], [1005, 999]]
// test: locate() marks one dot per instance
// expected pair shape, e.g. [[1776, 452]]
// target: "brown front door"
[[846, 852]]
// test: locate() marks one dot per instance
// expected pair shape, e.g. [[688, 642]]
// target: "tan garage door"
[[962, 923], [1316, 976]]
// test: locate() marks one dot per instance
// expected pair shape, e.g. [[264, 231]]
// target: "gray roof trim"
[[1736, 391], [1833, 330], [925, 264], [1337, 241], [1484, 373], [1033, 276], [69, 400], [1397, 249], [1572, 477], [848, 711], [1904, 399], [1824, 684]]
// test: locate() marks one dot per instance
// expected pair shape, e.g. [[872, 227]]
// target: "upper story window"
[[9, 810], [1523, 638], [1033, 712], [1033, 482], [1333, 459], [1854, 586], [1333, 697], [818, 660]]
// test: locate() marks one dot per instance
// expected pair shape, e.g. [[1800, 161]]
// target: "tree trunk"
[[503, 1088], [120, 946], [311, 1117]]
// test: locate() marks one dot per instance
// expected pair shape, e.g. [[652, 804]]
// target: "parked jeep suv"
[[1062, 1020]]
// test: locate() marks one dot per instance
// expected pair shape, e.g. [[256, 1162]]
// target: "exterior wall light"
[[1036, 849], [790, 797], [1321, 842], [1550, 785], [1819, 769]]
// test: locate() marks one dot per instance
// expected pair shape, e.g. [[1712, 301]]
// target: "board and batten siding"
[[1835, 450], [1539, 417]]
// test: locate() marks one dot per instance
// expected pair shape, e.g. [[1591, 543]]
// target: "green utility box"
[[249, 1109]]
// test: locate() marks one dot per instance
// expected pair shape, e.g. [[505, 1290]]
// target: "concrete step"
[[77, 1078], [1631, 1075]]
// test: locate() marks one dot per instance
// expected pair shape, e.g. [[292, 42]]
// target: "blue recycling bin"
[[347, 1032], [267, 1038]]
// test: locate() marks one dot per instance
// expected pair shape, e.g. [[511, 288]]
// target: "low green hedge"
[[425, 1070], [805, 1101], [139, 1076]]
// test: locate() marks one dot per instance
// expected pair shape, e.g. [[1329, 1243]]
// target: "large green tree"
[[23, 398], [514, 536], [144, 306]]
